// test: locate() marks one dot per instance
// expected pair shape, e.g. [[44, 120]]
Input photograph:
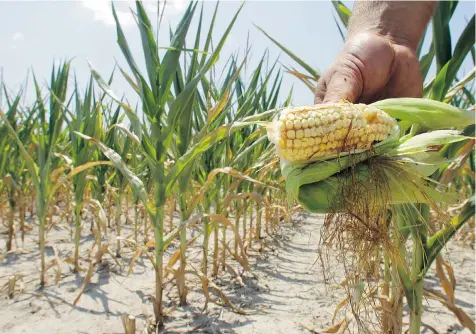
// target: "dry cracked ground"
[[286, 292]]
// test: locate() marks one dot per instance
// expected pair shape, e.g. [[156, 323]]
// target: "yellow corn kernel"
[[297, 124], [299, 134], [326, 128]]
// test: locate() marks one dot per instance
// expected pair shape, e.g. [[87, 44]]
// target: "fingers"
[[342, 86], [340, 82], [320, 89]]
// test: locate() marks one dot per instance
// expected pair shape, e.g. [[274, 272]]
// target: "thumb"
[[343, 85]]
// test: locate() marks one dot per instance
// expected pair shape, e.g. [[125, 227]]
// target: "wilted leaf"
[[339, 306], [135, 182], [58, 265], [448, 286], [97, 259], [335, 328], [464, 319], [134, 259]]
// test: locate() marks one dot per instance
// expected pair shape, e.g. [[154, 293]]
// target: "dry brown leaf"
[[176, 255], [309, 328], [206, 284], [335, 328], [58, 265], [339, 306], [133, 261], [447, 284], [222, 220], [464, 319], [97, 259], [241, 260], [174, 258]]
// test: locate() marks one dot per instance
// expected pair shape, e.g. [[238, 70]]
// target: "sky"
[[34, 34]]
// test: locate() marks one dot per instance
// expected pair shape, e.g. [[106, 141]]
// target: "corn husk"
[[404, 162]]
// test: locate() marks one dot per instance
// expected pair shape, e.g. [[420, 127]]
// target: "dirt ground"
[[285, 293]]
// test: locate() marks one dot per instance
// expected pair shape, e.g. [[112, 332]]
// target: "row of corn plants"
[[191, 147]]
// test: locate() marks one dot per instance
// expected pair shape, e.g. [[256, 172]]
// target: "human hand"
[[369, 68]]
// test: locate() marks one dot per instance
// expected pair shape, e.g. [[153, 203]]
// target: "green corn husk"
[[403, 186], [428, 114], [403, 162]]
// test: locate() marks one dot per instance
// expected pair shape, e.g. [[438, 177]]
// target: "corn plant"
[[9, 164], [165, 113], [47, 138], [87, 119]]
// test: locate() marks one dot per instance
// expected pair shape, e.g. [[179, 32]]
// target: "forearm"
[[402, 21]]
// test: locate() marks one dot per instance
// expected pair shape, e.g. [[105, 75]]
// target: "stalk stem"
[[258, 221], [416, 302], [77, 236], [215, 240], [237, 224], [118, 224], [206, 238], [136, 221], [22, 220], [245, 209], [183, 255], [42, 218], [159, 256], [11, 214]]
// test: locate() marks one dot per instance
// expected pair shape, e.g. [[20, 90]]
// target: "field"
[[184, 214], [286, 292]]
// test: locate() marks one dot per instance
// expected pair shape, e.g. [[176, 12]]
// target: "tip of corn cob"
[[325, 131]]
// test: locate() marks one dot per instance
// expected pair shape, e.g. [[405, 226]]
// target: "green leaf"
[[340, 30], [301, 62], [426, 60], [422, 41], [442, 33], [343, 12], [207, 142], [209, 40], [436, 242], [447, 74], [460, 85], [179, 105], [172, 57], [32, 167], [149, 46], [135, 121], [134, 181], [122, 41]]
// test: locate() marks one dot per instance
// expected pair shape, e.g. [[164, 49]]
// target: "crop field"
[[215, 205]]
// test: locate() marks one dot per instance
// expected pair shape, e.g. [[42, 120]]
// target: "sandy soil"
[[285, 291]]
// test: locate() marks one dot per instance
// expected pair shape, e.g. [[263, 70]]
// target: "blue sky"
[[35, 33]]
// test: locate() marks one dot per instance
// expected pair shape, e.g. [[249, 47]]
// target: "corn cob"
[[320, 132]]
